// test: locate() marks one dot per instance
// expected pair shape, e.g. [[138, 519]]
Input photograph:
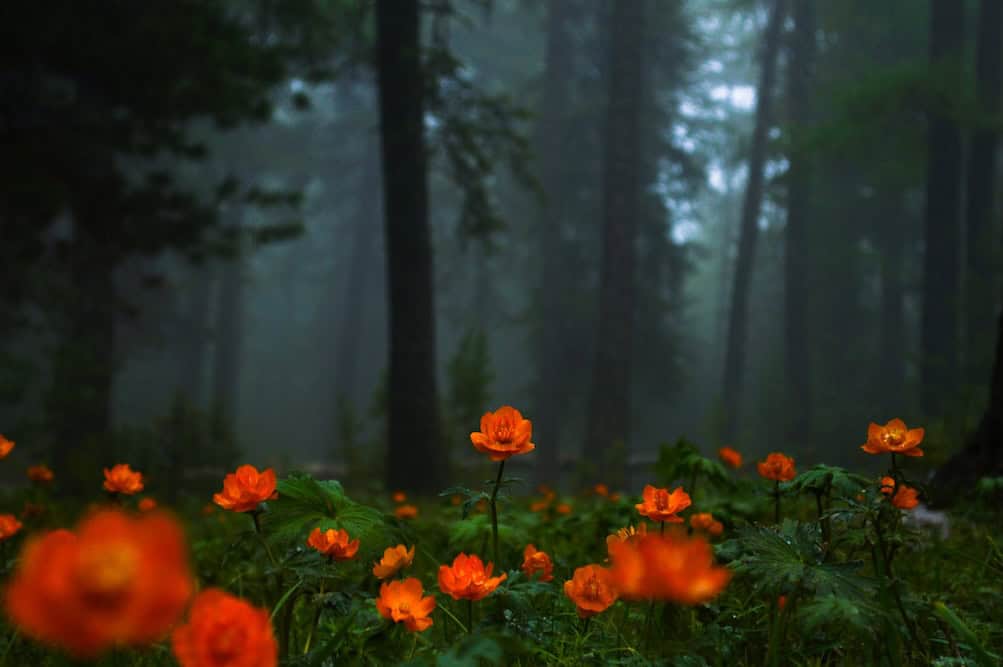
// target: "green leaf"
[[305, 503]]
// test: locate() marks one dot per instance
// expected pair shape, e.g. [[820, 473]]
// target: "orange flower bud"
[[503, 433], [246, 488], [887, 485], [117, 580], [399, 496], [591, 589], [9, 526], [777, 467], [601, 490], [706, 522], [225, 630], [394, 560], [906, 497], [534, 562], [468, 578], [6, 446], [40, 473], [335, 544], [402, 602], [563, 508], [893, 438], [660, 505], [730, 457], [406, 512], [123, 479], [147, 504]]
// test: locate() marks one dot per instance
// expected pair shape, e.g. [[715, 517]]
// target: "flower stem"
[[455, 620], [470, 615], [776, 501], [494, 512], [256, 514]]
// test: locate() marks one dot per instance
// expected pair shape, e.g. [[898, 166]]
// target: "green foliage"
[[683, 461], [305, 503]]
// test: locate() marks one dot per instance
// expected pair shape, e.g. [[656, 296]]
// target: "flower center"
[[503, 432], [893, 437], [105, 572]]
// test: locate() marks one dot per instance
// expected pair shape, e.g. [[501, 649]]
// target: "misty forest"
[[501, 332]]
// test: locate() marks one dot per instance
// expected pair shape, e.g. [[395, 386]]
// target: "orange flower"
[[9, 526], [781, 602], [905, 498], [394, 560], [591, 589], [123, 479], [614, 497], [147, 504], [660, 505], [887, 485], [246, 488], [601, 490], [468, 578], [399, 496], [5, 447], [668, 567], [628, 533], [563, 508], [402, 601], [893, 438], [730, 457], [543, 503], [456, 499], [534, 561], [777, 467], [503, 433], [335, 544], [706, 522], [117, 580], [225, 631], [40, 473], [406, 512]]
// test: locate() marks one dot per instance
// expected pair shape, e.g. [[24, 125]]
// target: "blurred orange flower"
[[614, 497], [563, 508], [887, 485], [406, 512], [669, 567], [456, 499], [402, 601], [246, 488], [906, 498], [394, 560], [468, 578], [147, 504], [335, 544], [225, 631], [730, 457], [777, 467], [592, 590], [399, 496], [893, 438], [706, 522], [40, 473], [117, 580], [5, 447], [628, 533], [9, 526], [503, 433], [123, 479], [534, 561], [660, 505], [781, 602], [601, 490]]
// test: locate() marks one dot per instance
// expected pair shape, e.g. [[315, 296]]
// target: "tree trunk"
[[548, 404], [191, 369], [939, 320], [413, 460], [797, 264], [734, 364], [983, 454], [981, 174], [609, 402], [229, 330]]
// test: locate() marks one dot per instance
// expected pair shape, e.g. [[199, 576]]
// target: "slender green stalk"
[[470, 616], [256, 516], [494, 512], [776, 501], [316, 619], [453, 616]]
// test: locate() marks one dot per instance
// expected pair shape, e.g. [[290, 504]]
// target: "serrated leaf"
[[305, 503]]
